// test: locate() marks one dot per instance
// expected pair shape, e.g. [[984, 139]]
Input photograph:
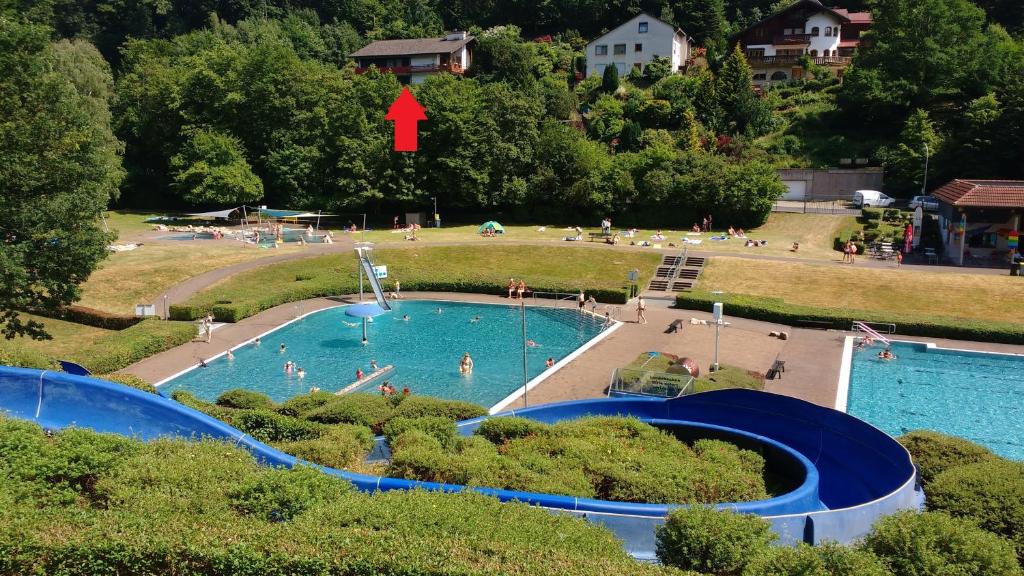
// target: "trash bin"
[[1015, 269]]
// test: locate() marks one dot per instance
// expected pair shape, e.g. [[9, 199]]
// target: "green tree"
[[211, 169], [658, 68], [904, 162], [691, 141], [705, 21], [610, 79], [59, 168], [744, 111]]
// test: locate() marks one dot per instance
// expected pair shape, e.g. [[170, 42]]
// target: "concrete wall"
[[834, 182]]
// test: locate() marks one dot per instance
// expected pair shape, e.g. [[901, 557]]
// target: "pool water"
[[425, 351], [975, 395]]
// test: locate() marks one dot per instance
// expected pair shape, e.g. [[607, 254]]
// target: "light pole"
[[526, 372], [436, 223], [924, 184], [717, 315]]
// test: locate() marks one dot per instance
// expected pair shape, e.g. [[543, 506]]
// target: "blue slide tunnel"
[[844, 474]]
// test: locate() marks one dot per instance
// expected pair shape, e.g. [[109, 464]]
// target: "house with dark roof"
[[413, 59], [775, 45], [634, 43], [980, 219]]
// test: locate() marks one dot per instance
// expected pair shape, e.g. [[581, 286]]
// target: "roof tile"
[[983, 193]]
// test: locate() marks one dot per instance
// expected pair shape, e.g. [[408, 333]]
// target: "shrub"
[[278, 496], [716, 542], [439, 427], [368, 410], [455, 410], [417, 455], [340, 446], [989, 493], [25, 358], [91, 317], [132, 381], [502, 429], [826, 560], [934, 543], [934, 453], [125, 347], [267, 426], [244, 399], [301, 405]]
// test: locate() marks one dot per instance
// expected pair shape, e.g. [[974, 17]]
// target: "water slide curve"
[[843, 474]]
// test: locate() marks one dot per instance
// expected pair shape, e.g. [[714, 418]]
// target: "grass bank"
[[960, 306], [478, 269]]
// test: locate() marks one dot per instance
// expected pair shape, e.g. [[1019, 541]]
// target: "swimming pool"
[[425, 351], [975, 395]]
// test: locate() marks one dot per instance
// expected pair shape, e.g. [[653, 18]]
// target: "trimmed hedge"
[[989, 493], [501, 430], [440, 428], [130, 380], [712, 541], [340, 446], [242, 398], [368, 410], [778, 311], [81, 503], [934, 453], [825, 560], [123, 348], [934, 543], [419, 406], [91, 317]]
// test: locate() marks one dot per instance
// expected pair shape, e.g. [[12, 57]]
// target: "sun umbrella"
[[492, 225], [908, 239], [364, 311]]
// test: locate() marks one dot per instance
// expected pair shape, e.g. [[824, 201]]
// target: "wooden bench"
[[675, 326], [599, 235], [778, 367]]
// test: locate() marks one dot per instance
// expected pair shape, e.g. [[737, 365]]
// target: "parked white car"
[[927, 202], [871, 199]]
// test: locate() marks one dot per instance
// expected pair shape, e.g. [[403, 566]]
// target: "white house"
[[776, 45], [635, 43], [413, 59]]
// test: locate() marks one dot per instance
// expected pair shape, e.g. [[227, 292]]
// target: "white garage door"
[[795, 189]]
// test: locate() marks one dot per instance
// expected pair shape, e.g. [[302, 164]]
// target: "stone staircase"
[[677, 273]]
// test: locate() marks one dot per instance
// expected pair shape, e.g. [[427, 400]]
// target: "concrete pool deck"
[[813, 357]]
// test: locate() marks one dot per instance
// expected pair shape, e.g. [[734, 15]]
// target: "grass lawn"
[[815, 233], [68, 337], [726, 377], [140, 276], [469, 268], [976, 296]]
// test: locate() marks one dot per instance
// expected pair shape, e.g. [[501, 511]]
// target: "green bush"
[[120, 349], [778, 311], [825, 560], [130, 380], [173, 507], [441, 428], [267, 426], [301, 405], [91, 317], [244, 399], [934, 453], [340, 446], [279, 496], [455, 410], [24, 357], [502, 429], [989, 493], [369, 410], [934, 543], [712, 541]]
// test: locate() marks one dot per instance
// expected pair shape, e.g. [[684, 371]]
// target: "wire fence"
[[839, 205]]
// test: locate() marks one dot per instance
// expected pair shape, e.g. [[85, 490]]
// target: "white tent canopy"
[[216, 214]]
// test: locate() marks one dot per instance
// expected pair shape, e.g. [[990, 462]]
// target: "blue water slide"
[[844, 474], [371, 276]]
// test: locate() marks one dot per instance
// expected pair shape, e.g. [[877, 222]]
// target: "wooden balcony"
[[792, 39], [423, 69], [769, 61]]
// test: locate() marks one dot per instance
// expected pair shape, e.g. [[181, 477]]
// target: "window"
[[828, 30], [835, 31], [815, 31], [638, 47], [759, 77], [620, 49], [642, 28], [780, 75], [755, 52], [814, 53], [601, 50]]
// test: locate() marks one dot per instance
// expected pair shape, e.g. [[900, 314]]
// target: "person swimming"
[[887, 354], [300, 373], [532, 344], [256, 342], [281, 349], [359, 373], [474, 319], [288, 367], [440, 310], [231, 355], [373, 365], [549, 362], [203, 364], [405, 318], [466, 364], [350, 324]]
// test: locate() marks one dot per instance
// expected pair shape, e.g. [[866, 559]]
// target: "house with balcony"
[[414, 59], [635, 43], [775, 45]]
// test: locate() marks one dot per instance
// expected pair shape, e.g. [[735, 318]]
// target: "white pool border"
[[515, 395], [846, 367]]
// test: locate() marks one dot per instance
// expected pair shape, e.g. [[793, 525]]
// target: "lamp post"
[[924, 184], [526, 372], [717, 315], [436, 222]]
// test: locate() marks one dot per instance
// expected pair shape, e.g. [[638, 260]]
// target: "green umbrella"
[[492, 225]]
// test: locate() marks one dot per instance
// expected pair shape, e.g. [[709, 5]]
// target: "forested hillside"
[[218, 102]]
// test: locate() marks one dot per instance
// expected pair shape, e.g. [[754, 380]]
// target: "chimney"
[[456, 35]]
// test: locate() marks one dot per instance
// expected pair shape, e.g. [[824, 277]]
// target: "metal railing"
[[792, 59], [556, 298], [632, 381], [842, 205]]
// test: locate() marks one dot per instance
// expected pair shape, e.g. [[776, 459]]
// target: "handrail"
[[858, 325]]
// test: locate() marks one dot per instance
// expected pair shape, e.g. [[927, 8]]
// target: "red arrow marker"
[[405, 112]]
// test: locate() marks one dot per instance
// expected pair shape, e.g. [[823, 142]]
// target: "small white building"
[[413, 59], [635, 43]]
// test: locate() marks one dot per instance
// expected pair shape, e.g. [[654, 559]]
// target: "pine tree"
[[904, 162], [610, 80], [691, 132]]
